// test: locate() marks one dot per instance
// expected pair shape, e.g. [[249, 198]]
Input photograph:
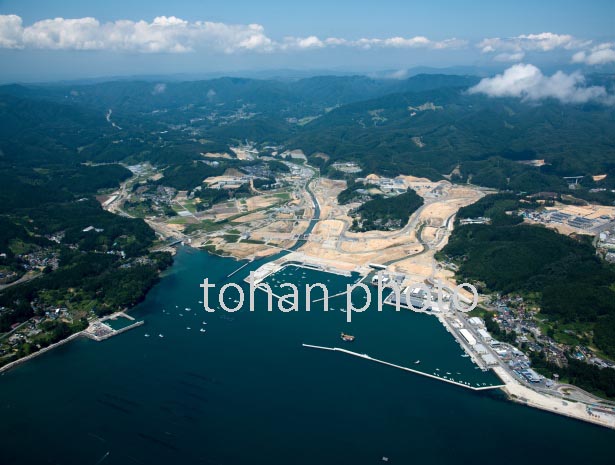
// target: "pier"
[[240, 268], [367, 357]]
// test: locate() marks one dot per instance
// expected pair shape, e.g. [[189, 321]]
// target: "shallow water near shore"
[[242, 389]]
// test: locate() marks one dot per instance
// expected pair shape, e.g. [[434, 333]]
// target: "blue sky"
[[337, 35]]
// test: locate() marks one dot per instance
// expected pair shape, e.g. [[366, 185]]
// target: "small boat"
[[204, 322], [202, 330], [346, 337], [417, 362], [146, 335], [160, 335], [188, 327], [187, 309], [200, 301]]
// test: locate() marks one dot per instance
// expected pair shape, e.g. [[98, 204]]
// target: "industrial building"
[[419, 299], [480, 349], [530, 375], [468, 336], [484, 335]]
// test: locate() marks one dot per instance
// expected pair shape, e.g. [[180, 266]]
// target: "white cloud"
[[299, 43], [10, 31], [399, 42], [512, 47], [168, 34], [527, 82], [599, 55], [163, 34]]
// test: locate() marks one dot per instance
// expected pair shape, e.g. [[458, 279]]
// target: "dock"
[[399, 367], [100, 331]]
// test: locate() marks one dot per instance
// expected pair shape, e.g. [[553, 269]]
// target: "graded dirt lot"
[[331, 243], [216, 155], [260, 201]]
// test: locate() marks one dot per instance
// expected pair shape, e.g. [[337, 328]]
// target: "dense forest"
[[426, 125], [98, 261], [386, 213]]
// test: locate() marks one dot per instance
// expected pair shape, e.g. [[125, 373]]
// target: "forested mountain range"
[[427, 125]]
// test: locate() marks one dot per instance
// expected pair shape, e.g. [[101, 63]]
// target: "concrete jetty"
[[367, 357], [240, 268]]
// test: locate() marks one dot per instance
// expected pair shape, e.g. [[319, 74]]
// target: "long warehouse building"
[[467, 336]]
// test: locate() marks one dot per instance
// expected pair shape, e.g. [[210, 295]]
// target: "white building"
[[480, 349], [484, 335], [467, 336]]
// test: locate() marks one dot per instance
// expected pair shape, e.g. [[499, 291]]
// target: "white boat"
[[188, 327], [417, 362], [202, 330], [146, 335], [160, 335]]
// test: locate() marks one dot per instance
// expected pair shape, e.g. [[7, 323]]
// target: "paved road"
[[25, 278]]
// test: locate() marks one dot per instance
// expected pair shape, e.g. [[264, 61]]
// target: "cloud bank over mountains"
[[515, 48], [173, 35], [527, 82], [169, 34]]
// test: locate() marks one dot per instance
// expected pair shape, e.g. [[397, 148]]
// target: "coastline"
[[87, 333], [524, 395], [21, 360]]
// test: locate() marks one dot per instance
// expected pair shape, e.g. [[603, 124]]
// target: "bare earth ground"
[[330, 244]]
